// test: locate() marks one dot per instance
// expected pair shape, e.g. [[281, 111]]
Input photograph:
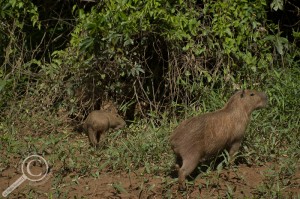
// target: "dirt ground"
[[241, 182]]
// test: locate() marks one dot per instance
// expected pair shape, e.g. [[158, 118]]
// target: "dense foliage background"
[[145, 55]]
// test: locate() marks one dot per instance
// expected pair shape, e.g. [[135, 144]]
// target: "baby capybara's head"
[[248, 100]]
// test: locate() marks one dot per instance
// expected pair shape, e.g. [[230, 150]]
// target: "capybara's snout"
[[264, 99]]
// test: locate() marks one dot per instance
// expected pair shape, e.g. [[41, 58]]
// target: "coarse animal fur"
[[200, 138], [99, 121]]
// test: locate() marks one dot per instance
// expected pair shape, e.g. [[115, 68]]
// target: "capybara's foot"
[[182, 187]]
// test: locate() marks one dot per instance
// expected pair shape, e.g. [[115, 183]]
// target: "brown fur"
[[109, 106], [200, 138], [99, 121]]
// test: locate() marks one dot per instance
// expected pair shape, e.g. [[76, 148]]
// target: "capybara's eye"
[[251, 94]]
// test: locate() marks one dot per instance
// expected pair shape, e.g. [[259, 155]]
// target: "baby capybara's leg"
[[98, 136], [188, 165], [92, 136]]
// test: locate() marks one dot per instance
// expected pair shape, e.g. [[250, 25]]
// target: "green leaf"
[[128, 42], [2, 84], [277, 4], [86, 43], [119, 188]]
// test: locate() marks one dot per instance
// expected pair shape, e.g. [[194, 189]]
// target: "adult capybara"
[[200, 138], [99, 121]]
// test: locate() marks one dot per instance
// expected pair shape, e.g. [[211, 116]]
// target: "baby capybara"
[[99, 121], [200, 138]]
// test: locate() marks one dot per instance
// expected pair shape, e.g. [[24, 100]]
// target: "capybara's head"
[[109, 106], [116, 121], [249, 100]]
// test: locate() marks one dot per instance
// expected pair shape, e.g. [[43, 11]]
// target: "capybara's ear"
[[235, 91], [243, 93]]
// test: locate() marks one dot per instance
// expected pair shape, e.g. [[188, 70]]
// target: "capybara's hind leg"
[[92, 136], [187, 167]]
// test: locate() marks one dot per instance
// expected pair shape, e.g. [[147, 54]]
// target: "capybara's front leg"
[[186, 169]]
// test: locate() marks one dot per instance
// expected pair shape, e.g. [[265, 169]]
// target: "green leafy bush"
[[154, 56]]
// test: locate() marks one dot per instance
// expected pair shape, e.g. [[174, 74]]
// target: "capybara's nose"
[[264, 98]]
